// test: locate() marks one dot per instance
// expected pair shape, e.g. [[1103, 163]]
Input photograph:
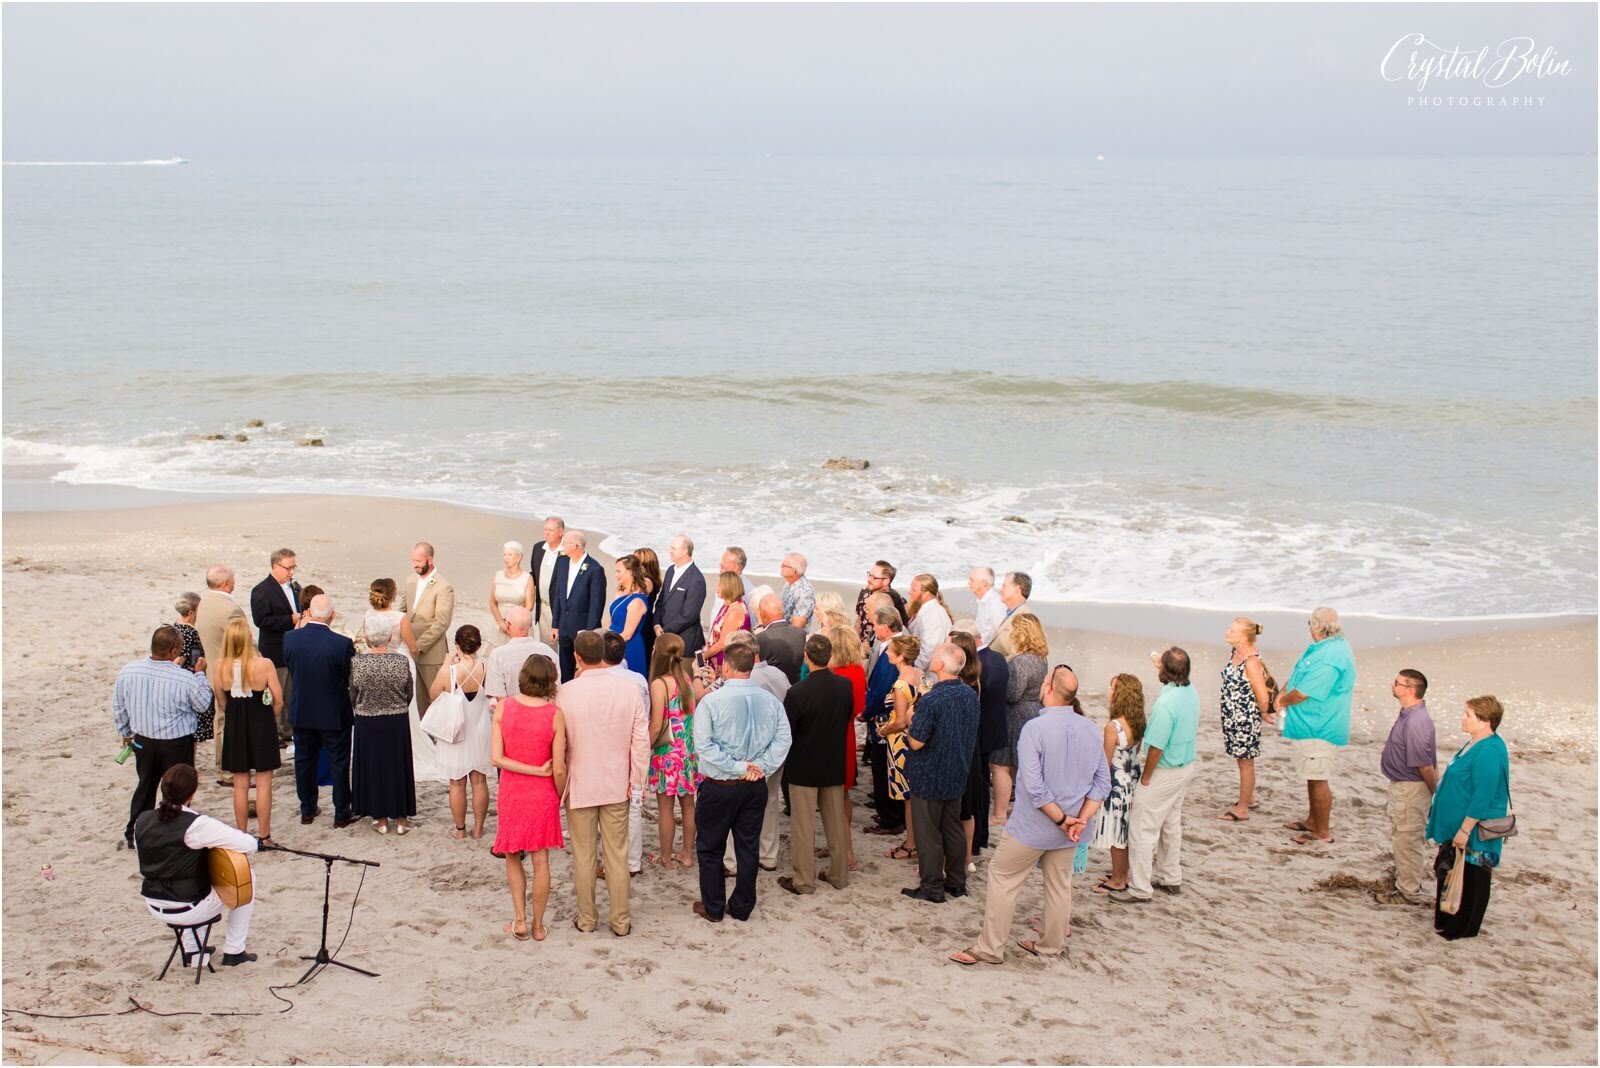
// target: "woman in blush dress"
[[382, 695], [528, 744], [732, 616], [466, 760], [627, 612], [511, 587]]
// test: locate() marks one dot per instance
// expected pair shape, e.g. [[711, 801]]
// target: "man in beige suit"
[[429, 604], [1014, 591], [217, 606]]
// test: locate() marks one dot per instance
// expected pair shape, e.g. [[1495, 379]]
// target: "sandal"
[[403, 828], [967, 958], [1229, 817], [1297, 825], [1105, 887], [900, 852], [1027, 945], [1308, 839], [381, 828], [511, 929]]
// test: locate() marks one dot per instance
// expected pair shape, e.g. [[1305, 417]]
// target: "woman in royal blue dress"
[[628, 611]]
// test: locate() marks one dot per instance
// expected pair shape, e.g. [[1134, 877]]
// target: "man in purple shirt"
[[1409, 760], [1062, 778]]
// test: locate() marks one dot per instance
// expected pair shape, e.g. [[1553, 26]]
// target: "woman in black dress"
[[245, 686], [380, 767], [194, 659]]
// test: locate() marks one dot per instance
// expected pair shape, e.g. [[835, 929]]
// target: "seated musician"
[[172, 840]]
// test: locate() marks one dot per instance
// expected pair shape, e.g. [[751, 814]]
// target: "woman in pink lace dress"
[[529, 748]]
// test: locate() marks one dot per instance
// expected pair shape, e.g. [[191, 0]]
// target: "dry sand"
[[1264, 958]]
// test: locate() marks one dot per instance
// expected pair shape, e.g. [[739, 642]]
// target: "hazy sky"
[[131, 81]]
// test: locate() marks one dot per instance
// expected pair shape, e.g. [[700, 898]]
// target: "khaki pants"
[[1408, 814], [426, 672], [1007, 872], [281, 710], [803, 804], [608, 823], [1155, 831]]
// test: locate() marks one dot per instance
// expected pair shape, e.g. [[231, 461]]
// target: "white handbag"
[[446, 718]]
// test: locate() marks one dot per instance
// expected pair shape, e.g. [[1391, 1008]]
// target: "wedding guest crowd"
[[725, 728]]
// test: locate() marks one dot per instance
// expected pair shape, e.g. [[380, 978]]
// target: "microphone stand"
[[323, 956]]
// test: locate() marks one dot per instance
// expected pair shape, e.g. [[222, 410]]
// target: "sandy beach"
[[1273, 953]]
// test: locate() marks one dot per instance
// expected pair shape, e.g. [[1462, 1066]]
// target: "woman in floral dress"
[[673, 770]]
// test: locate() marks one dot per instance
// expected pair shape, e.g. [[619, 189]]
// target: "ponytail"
[[177, 789]]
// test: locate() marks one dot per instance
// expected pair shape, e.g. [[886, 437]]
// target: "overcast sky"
[[131, 81]]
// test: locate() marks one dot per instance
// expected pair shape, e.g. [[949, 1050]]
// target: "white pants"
[[636, 831], [770, 820], [1155, 830], [207, 908]]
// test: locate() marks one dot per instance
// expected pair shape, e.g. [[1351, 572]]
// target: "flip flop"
[[971, 958], [1308, 839], [1229, 817], [511, 929], [1027, 945], [1105, 887], [1297, 825]]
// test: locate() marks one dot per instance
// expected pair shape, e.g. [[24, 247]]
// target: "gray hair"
[[575, 537], [796, 561], [888, 617], [321, 608], [512, 547], [688, 543], [379, 629], [986, 574], [281, 555], [518, 618], [953, 656], [1022, 581], [1326, 622], [967, 626], [186, 603], [218, 576], [738, 554], [557, 520], [743, 637]]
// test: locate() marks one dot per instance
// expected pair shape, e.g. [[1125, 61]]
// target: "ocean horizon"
[[1241, 383]]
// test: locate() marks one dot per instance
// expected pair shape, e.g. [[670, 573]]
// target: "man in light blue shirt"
[[741, 736], [1316, 706], [1155, 830]]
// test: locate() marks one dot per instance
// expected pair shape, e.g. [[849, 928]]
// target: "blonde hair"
[[730, 587], [906, 647], [237, 645], [846, 646], [830, 611], [1027, 635], [1252, 629]]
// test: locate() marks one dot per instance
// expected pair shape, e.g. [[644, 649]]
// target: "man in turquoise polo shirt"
[[1155, 831], [1316, 709]]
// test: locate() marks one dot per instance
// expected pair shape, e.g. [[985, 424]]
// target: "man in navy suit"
[[320, 711], [682, 598], [578, 598], [275, 606]]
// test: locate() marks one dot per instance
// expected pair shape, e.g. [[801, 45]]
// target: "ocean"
[[1240, 383]]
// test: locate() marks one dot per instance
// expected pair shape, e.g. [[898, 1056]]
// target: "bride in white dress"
[[424, 757]]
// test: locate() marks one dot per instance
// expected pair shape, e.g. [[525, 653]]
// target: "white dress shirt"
[[572, 571], [991, 613]]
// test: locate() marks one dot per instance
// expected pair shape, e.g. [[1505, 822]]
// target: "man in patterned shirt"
[[943, 737], [799, 599]]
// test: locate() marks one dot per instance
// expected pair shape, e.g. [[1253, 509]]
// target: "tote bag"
[[446, 718]]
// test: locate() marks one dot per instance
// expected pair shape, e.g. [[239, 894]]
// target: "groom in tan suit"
[[429, 603]]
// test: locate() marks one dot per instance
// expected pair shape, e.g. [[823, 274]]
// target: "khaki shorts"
[[1313, 759]]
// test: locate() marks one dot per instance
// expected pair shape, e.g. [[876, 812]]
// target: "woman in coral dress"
[[529, 747]]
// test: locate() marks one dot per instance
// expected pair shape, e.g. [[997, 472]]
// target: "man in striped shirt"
[[155, 705]]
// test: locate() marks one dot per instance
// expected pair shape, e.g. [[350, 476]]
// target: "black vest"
[[172, 871]]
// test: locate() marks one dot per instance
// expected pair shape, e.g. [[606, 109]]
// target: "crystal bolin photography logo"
[[1500, 76]]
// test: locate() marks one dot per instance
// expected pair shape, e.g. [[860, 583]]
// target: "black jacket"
[[820, 707], [273, 616], [783, 645], [678, 611]]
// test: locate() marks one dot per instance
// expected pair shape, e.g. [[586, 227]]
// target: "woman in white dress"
[[381, 594], [511, 588], [467, 758]]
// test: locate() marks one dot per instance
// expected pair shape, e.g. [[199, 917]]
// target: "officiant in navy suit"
[[275, 607], [578, 598], [683, 597], [320, 708]]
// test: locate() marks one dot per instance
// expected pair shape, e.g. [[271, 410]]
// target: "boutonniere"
[[583, 567]]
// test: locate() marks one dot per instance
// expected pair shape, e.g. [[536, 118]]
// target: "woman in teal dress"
[[628, 612], [1476, 786]]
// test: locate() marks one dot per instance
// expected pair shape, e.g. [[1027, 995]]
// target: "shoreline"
[[33, 496]]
